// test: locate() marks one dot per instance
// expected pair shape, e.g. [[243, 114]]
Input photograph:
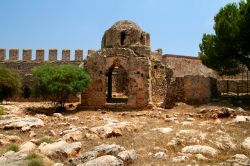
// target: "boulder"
[[128, 156], [246, 143], [163, 130], [73, 136], [27, 147], [113, 128], [12, 158], [17, 122], [106, 160], [178, 159], [8, 139], [239, 119], [60, 149], [196, 149], [160, 155], [107, 149]]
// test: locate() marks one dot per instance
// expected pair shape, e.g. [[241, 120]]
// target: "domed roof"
[[125, 25], [124, 34]]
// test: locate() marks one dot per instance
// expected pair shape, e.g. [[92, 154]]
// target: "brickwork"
[[53, 54], [2, 54], [27, 55], [14, 54], [66, 55]]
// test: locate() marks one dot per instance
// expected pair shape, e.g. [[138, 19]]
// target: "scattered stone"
[[240, 159], [200, 157], [239, 119], [58, 115], [187, 123], [27, 147], [12, 158], [190, 119], [128, 156], [32, 134], [163, 130], [107, 149], [17, 122], [106, 160], [60, 149], [9, 139], [196, 149], [73, 136], [179, 159], [114, 128], [160, 155], [223, 140], [246, 143]]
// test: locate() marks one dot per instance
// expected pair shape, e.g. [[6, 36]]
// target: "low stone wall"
[[234, 86], [190, 89], [161, 77]]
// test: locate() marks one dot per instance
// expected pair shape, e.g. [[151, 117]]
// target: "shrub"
[[58, 82], [45, 139], [1, 111], [34, 160], [10, 83], [12, 147]]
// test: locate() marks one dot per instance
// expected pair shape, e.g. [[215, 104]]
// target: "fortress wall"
[[14, 55], [186, 65], [25, 65]]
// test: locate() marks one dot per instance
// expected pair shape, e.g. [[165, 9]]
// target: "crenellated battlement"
[[26, 56]]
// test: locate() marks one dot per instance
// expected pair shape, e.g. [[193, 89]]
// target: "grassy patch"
[[46, 139], [1, 111], [13, 147], [34, 160]]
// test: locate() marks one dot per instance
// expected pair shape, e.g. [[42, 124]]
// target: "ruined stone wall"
[[25, 64], [190, 89], [160, 79], [234, 86], [185, 65]]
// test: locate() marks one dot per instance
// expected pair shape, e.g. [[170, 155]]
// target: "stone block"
[[66, 55], [14, 54], [39, 55], [52, 54], [2, 54], [27, 54], [78, 55]]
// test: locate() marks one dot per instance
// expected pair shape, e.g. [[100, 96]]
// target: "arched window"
[[123, 37]]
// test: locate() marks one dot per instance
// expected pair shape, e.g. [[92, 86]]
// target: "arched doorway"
[[117, 85]]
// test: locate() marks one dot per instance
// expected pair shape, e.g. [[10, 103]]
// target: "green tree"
[[228, 50], [10, 83], [57, 82]]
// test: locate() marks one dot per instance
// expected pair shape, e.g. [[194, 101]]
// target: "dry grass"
[[145, 141]]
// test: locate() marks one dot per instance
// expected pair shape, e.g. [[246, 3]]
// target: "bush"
[[34, 160], [12, 147], [58, 82], [2, 111], [10, 83]]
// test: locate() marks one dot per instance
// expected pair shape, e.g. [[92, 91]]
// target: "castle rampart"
[[14, 55]]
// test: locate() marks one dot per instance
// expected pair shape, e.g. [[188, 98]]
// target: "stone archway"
[[117, 84]]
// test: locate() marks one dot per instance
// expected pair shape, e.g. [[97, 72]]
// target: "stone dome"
[[125, 33], [124, 25]]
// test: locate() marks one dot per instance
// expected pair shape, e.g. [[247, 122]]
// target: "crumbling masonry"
[[125, 72]]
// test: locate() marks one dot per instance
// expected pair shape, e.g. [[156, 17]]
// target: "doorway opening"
[[117, 85]]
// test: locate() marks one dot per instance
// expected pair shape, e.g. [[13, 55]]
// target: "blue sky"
[[176, 26]]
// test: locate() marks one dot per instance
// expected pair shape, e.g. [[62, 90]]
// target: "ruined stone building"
[[126, 73]]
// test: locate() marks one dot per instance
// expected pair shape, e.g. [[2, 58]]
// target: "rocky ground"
[[214, 134]]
